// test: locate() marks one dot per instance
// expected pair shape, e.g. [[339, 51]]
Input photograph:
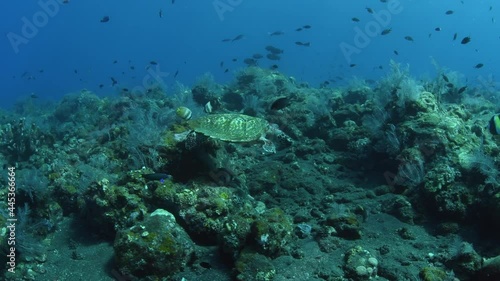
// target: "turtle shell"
[[230, 127]]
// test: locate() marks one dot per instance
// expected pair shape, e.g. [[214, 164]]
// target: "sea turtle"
[[234, 127]]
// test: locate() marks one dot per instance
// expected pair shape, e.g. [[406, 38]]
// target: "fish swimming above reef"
[[465, 40], [276, 33], [104, 19], [386, 31], [273, 57], [305, 44], [479, 65], [274, 50], [409, 38], [494, 125], [238, 37]]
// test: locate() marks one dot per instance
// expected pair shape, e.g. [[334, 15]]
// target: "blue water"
[[65, 48]]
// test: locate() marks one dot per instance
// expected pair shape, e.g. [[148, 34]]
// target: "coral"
[[155, 247]]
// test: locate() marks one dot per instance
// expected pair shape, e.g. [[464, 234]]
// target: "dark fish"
[[273, 56], [113, 81], [491, 8], [455, 36], [173, 2], [239, 37], [101, 86], [355, 19], [409, 38], [221, 64], [33, 96], [280, 103], [352, 65], [115, 61], [176, 72], [226, 70], [437, 29], [450, 85], [104, 19], [235, 59], [132, 67], [156, 176], [445, 78], [226, 40], [306, 26], [479, 65], [274, 67], [250, 61], [125, 89], [276, 33], [298, 29], [449, 12], [160, 13], [465, 40], [75, 71], [153, 62], [274, 50], [396, 52], [370, 10], [305, 44], [462, 89], [386, 31], [257, 56]]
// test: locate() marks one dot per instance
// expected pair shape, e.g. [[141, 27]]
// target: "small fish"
[[273, 56], [276, 33], [280, 103], [449, 12], [132, 67], [235, 60], [160, 13], [274, 67], [445, 78], [450, 85], [173, 2], [437, 29], [75, 71], [113, 81], [386, 31], [465, 40], [462, 89], [494, 125], [238, 37], [306, 26], [101, 86], [153, 62], [226, 70], [274, 50], [221, 64], [409, 38], [298, 29], [104, 19], [455, 36], [115, 61], [176, 72], [479, 65], [226, 40], [33, 96], [184, 112], [257, 56], [355, 19], [352, 65], [369, 10], [250, 61], [156, 176], [305, 44], [396, 52]]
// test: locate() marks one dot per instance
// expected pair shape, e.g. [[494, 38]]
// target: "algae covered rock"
[[156, 247]]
